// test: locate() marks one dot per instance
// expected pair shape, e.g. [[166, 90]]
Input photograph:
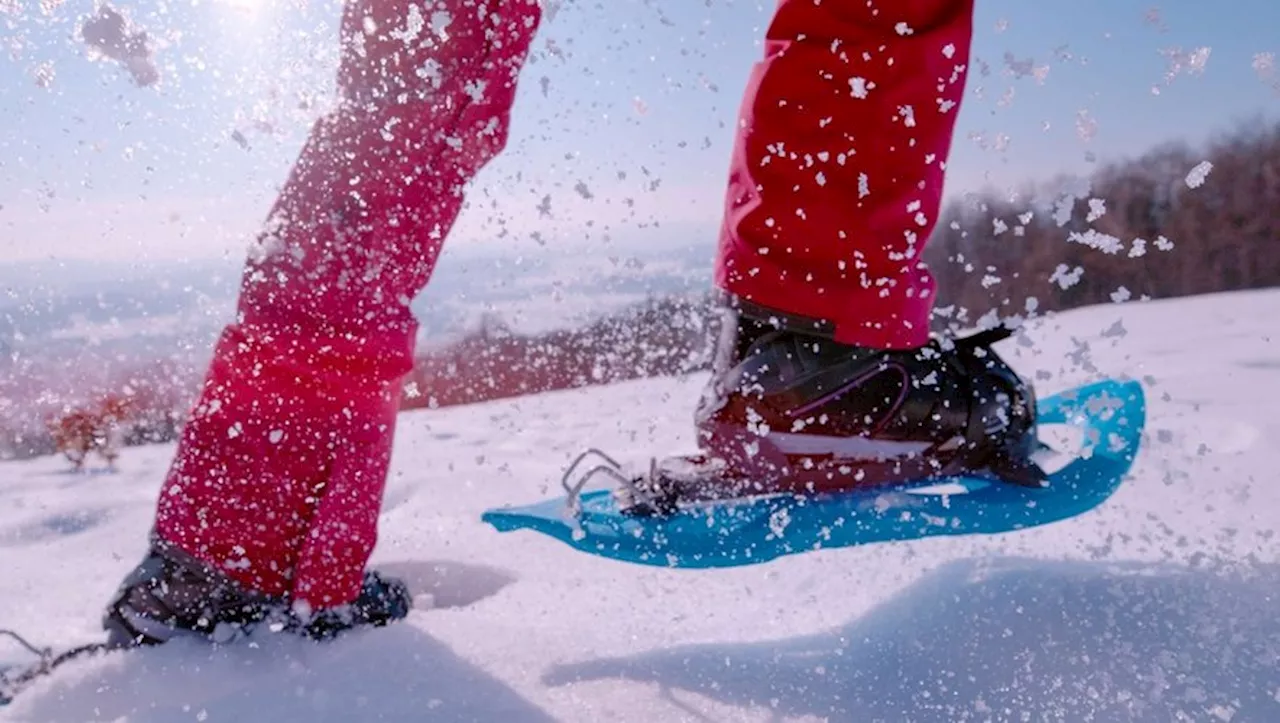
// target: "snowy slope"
[[1160, 606]]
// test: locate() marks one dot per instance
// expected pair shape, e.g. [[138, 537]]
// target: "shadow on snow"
[[1009, 639]]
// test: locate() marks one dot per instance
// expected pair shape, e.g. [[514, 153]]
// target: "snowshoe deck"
[[1110, 416]]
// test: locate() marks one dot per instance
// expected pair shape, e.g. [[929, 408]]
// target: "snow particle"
[[1065, 277], [1098, 240], [475, 90], [1115, 330], [1197, 176], [1086, 126], [440, 21], [1097, 209], [110, 34], [1062, 210], [44, 74], [779, 521]]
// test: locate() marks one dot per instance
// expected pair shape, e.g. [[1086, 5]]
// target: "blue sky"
[[635, 106]]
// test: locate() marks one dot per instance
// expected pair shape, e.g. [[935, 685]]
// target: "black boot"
[[171, 594], [790, 410], [382, 600], [782, 390]]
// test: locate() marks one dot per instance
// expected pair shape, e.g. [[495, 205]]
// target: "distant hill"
[[1174, 221]]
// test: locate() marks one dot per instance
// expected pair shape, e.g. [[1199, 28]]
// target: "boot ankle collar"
[[781, 320]]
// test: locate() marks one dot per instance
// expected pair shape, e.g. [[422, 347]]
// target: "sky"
[[632, 100]]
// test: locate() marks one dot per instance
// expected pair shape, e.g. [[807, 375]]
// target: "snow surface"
[[1160, 606]]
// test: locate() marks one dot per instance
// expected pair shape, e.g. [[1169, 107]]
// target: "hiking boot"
[[788, 408], [171, 594], [382, 600]]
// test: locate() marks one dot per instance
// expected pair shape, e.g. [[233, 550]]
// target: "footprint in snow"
[[54, 526], [446, 583]]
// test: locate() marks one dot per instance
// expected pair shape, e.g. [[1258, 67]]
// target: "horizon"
[[108, 170]]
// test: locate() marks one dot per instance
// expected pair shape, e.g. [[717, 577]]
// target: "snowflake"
[[1197, 176]]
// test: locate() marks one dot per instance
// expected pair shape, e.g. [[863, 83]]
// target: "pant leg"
[[344, 528], [272, 483], [836, 178]]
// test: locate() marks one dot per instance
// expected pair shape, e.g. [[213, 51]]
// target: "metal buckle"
[[610, 468]]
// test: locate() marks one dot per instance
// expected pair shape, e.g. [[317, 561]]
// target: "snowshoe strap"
[[1007, 464], [984, 339]]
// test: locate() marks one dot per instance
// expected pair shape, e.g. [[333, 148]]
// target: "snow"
[[1158, 606]]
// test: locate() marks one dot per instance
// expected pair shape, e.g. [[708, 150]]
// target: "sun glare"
[[244, 7]]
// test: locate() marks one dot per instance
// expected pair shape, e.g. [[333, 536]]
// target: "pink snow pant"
[[834, 186]]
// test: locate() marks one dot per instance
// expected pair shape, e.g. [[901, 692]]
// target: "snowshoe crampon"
[[15, 679], [655, 518]]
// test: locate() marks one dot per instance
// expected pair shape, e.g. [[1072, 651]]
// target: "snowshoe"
[[697, 512]]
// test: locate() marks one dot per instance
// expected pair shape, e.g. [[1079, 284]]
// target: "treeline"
[[1173, 222], [662, 336]]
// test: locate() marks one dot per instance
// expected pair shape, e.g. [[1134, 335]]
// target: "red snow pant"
[[834, 186]]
